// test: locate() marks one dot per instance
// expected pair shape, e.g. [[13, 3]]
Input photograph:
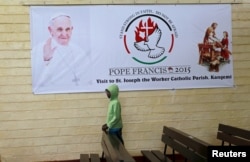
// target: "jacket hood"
[[114, 91]]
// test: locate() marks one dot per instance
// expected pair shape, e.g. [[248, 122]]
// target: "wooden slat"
[[94, 158], [114, 150], [84, 158], [106, 152], [234, 131], [232, 139], [233, 135], [161, 156], [150, 156]]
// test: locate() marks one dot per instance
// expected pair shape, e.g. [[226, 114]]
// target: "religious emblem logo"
[[148, 36]]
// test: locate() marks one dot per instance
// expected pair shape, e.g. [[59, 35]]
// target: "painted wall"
[[61, 126]]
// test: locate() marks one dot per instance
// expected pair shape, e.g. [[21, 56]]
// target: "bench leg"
[[173, 155], [102, 155], [165, 150]]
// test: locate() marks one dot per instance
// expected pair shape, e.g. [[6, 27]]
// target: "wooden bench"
[[89, 158], [191, 148], [114, 150], [233, 135]]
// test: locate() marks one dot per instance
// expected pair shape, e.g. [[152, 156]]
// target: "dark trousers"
[[117, 132]]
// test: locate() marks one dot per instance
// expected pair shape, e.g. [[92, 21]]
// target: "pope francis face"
[[61, 29]]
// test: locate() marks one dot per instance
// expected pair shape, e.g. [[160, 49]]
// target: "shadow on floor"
[[178, 158]]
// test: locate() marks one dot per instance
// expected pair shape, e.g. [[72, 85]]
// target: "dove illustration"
[[151, 44]]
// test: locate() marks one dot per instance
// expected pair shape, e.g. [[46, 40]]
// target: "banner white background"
[[117, 48]]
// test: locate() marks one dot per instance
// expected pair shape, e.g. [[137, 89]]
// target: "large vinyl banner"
[[138, 47]]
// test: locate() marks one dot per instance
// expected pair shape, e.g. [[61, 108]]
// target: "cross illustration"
[[147, 28]]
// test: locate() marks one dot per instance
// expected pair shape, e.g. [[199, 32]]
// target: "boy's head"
[[112, 91], [108, 93]]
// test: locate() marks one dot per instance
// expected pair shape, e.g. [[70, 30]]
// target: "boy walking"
[[114, 119]]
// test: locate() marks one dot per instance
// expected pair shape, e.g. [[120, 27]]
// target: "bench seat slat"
[[84, 158], [150, 156], [161, 156], [114, 150], [106, 152], [94, 158]]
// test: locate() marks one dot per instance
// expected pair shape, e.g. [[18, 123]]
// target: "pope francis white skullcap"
[[58, 15]]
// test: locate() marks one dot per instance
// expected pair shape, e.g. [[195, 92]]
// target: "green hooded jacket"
[[114, 118]]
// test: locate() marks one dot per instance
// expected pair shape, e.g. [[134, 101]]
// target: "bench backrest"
[[114, 150], [191, 148], [233, 135]]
